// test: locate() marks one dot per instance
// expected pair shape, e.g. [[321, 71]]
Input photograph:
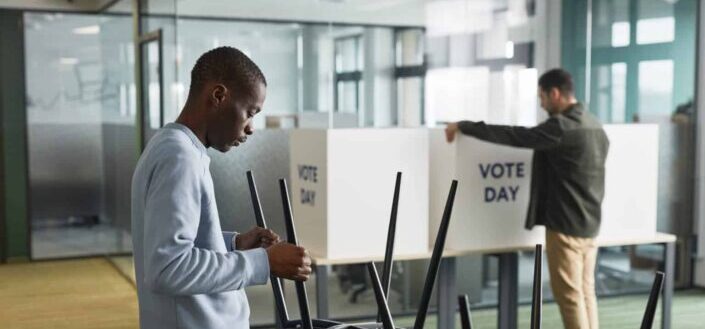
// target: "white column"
[[700, 153]]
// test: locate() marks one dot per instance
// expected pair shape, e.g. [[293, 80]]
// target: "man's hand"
[[256, 238], [451, 130], [289, 261]]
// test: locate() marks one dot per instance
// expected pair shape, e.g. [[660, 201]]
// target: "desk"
[[508, 278]]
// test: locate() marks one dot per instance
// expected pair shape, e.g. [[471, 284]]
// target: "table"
[[508, 278]]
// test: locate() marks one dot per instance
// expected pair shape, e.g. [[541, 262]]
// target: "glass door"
[[152, 84], [156, 59]]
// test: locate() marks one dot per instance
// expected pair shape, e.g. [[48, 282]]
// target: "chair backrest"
[[391, 233], [464, 309], [387, 321], [279, 300], [435, 258], [648, 321], [389, 249], [385, 314], [301, 294], [537, 298]]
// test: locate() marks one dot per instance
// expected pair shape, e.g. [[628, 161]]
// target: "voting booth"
[[494, 183], [492, 197], [342, 185], [629, 209]]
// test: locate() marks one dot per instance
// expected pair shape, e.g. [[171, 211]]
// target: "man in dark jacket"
[[567, 188]]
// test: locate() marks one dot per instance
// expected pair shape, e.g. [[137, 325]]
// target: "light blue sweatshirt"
[[188, 275]]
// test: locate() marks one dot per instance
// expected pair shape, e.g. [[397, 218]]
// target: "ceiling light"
[[68, 60], [91, 29]]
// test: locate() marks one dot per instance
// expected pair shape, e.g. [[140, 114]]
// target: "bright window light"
[[509, 49], [655, 30], [620, 34]]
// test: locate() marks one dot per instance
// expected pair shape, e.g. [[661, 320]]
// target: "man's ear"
[[218, 94], [555, 93]]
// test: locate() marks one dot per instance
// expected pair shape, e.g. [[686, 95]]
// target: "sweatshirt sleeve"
[[172, 263]]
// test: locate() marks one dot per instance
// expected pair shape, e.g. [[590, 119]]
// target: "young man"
[[567, 187], [189, 273]]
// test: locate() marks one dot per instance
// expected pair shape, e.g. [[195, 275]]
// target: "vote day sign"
[[342, 185], [492, 196], [494, 182], [342, 182]]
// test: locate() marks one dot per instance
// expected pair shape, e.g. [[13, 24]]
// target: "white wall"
[[380, 12], [378, 77], [76, 5], [372, 12]]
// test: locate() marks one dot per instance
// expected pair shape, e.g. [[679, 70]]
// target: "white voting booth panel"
[[342, 185], [631, 182], [492, 197], [494, 182]]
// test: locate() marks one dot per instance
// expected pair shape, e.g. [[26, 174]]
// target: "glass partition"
[[642, 70], [80, 117]]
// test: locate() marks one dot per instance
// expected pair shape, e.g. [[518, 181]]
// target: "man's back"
[[187, 275], [569, 179]]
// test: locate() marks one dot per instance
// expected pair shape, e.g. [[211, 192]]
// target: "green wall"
[[13, 136]]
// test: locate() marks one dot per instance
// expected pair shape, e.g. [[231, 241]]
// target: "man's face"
[[549, 99], [231, 121]]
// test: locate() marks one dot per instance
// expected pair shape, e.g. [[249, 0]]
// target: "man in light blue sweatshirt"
[[189, 273]]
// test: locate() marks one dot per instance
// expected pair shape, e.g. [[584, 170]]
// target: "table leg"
[[446, 293], [508, 290], [322, 311], [669, 263]]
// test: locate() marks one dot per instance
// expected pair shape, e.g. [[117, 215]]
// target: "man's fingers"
[[303, 273], [450, 135], [266, 242], [301, 278], [267, 233]]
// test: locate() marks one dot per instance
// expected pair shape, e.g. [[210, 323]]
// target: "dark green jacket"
[[568, 169]]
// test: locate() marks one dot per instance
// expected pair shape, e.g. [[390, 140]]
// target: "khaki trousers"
[[571, 264]]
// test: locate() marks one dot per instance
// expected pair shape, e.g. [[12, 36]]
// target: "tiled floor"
[[91, 293]]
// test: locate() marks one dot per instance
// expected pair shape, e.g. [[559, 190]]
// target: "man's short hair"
[[557, 78], [228, 66]]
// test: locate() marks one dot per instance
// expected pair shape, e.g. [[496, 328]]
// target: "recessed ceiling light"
[[91, 29], [68, 60]]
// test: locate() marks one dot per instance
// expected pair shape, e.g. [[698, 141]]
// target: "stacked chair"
[[536, 301], [536, 298], [436, 257], [381, 287], [306, 322]]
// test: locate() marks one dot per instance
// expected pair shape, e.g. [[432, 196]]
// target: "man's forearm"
[[543, 136]]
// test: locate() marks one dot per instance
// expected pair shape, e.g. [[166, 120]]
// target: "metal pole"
[[291, 237]]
